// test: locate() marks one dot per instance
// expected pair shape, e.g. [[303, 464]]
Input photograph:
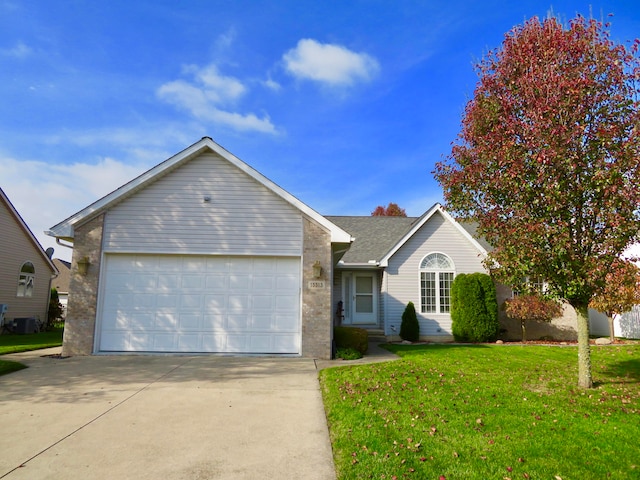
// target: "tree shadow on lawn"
[[627, 371]]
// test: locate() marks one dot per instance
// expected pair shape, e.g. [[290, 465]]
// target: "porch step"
[[376, 335]]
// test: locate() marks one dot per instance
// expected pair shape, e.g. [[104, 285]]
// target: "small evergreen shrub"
[[474, 308], [348, 353], [55, 309], [351, 337], [410, 328]]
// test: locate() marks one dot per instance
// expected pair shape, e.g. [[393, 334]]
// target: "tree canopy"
[[391, 210], [548, 159]]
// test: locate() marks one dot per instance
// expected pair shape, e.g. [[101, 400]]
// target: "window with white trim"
[[436, 276], [26, 280]]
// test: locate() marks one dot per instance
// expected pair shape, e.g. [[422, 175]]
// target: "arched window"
[[26, 279], [436, 275]]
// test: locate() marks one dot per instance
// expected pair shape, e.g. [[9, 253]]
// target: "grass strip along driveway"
[[23, 343], [486, 412]]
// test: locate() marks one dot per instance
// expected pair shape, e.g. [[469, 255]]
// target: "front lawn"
[[22, 343], [486, 412]]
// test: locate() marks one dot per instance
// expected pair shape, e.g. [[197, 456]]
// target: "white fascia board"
[[25, 228], [436, 208], [65, 229]]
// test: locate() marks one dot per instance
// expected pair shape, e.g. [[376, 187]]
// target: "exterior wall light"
[[317, 269], [83, 265]]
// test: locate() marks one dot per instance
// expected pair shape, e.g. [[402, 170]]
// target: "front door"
[[360, 296]]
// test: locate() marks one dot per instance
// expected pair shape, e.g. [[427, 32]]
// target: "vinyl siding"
[[402, 283], [16, 247], [242, 217]]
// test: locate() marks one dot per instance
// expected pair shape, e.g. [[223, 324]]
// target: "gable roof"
[[437, 208], [27, 231], [65, 229], [373, 236], [377, 239], [61, 283]]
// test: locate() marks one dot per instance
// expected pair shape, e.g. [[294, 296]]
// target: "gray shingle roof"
[[374, 236]]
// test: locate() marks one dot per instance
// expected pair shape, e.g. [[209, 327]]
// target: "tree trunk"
[[584, 350], [611, 334], [524, 331]]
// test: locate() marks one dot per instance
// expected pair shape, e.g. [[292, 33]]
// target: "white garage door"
[[166, 303]]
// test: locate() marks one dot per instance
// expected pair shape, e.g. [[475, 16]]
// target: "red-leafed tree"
[[620, 294], [548, 160], [391, 210]]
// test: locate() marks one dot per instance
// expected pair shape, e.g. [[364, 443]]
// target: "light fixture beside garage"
[[317, 269], [83, 265], [207, 199]]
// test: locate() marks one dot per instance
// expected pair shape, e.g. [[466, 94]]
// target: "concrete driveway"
[[163, 417]]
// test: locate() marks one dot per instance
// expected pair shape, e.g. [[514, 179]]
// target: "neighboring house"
[[61, 283], [204, 254], [25, 269]]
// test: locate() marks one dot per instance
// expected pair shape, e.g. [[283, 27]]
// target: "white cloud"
[[20, 50], [44, 194], [329, 64], [207, 93]]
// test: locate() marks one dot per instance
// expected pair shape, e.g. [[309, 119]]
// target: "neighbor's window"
[[26, 279], [436, 276]]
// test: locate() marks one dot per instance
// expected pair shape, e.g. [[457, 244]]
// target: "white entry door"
[[360, 295]]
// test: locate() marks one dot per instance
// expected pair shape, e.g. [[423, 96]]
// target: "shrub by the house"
[[474, 308], [351, 337], [410, 328], [531, 308]]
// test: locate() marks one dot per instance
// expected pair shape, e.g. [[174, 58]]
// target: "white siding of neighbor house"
[[171, 215], [402, 282]]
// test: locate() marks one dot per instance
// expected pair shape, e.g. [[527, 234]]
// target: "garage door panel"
[[285, 323], [189, 343], [200, 304], [165, 342], [114, 342], [217, 281], [168, 282], [212, 323], [190, 322]]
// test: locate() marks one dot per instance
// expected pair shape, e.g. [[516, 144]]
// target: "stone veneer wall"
[[80, 324], [316, 302]]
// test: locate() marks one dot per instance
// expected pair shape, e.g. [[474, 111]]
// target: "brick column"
[[316, 292], [80, 324]]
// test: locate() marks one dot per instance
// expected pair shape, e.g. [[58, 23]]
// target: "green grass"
[[8, 367], [35, 341], [486, 412]]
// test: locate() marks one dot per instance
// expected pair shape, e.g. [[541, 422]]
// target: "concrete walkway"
[[162, 417]]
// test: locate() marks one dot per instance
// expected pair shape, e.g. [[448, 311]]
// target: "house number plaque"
[[316, 284]]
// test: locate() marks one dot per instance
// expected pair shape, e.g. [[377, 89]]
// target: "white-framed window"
[[530, 285], [26, 279], [436, 276]]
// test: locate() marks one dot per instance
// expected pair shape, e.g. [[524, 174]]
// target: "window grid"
[[436, 277], [428, 292], [26, 280]]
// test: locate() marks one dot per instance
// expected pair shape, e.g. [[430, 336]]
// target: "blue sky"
[[347, 105]]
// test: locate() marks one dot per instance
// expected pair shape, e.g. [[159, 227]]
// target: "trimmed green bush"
[[351, 337], [474, 308], [410, 328]]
